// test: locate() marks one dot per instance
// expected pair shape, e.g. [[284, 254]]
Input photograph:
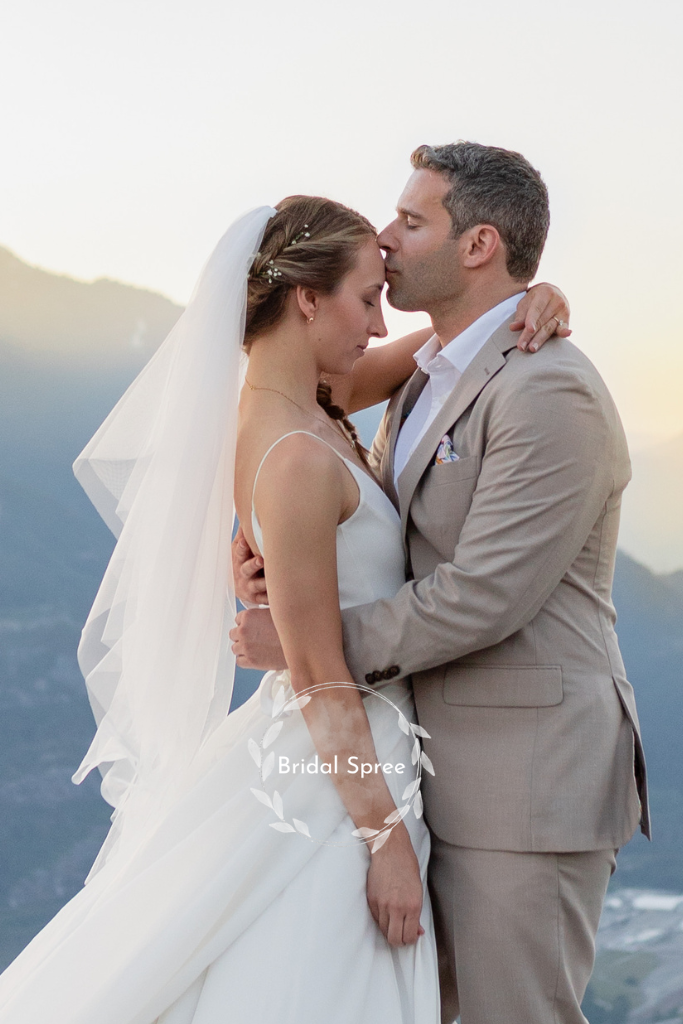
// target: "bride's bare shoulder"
[[296, 455], [290, 462], [301, 494]]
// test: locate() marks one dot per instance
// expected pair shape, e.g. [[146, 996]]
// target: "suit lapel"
[[488, 361], [396, 417]]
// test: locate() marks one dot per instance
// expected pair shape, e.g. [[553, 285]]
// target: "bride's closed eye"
[[374, 293]]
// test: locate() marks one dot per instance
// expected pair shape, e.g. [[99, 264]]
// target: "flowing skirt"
[[220, 918]]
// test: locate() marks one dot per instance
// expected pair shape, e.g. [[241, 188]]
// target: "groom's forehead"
[[424, 190]]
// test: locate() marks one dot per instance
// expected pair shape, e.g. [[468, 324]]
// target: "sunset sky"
[[133, 132]]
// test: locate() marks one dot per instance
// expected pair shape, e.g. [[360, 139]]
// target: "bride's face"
[[347, 319]]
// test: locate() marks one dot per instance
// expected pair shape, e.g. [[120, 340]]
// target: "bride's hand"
[[542, 312], [394, 889]]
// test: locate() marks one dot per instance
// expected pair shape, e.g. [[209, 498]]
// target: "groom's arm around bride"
[[507, 629], [507, 626]]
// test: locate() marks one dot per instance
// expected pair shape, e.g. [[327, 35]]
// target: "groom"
[[508, 472]]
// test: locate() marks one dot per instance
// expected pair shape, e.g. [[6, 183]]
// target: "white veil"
[[155, 653]]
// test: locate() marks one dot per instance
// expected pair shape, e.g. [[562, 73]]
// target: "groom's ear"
[[479, 245]]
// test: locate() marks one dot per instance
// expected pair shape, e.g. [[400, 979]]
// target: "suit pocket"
[[450, 473], [488, 686], [442, 500]]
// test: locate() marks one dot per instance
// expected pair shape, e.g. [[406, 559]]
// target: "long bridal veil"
[[154, 652], [196, 898]]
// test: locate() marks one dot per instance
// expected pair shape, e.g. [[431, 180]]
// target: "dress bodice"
[[370, 559]]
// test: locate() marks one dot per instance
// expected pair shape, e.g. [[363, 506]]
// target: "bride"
[[270, 864]]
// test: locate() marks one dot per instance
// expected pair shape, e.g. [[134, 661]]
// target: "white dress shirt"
[[445, 366]]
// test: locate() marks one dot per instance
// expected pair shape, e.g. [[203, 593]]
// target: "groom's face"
[[422, 263]]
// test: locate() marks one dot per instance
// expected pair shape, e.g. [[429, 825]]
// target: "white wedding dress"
[[220, 919]]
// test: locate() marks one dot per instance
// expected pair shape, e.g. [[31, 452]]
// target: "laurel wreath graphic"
[[265, 762]]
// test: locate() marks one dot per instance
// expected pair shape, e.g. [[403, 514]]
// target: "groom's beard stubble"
[[408, 297], [428, 284], [398, 295]]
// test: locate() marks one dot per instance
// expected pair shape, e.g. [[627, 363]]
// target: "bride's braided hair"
[[311, 242]]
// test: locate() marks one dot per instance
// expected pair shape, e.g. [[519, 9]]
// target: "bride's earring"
[[310, 319]]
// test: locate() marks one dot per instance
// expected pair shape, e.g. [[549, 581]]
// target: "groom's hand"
[[248, 572], [256, 643]]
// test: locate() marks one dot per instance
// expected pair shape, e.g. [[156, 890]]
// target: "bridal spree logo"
[[266, 762]]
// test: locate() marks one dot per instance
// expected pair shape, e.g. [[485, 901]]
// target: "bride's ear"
[[307, 300]]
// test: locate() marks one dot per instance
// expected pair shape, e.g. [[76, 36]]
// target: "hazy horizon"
[[136, 133]]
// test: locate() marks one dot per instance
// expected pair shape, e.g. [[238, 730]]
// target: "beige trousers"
[[516, 932]]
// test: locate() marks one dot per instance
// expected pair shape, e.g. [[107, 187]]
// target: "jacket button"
[[393, 671], [369, 677], [376, 676]]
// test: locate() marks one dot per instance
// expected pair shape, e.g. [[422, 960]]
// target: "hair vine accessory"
[[297, 238], [271, 272]]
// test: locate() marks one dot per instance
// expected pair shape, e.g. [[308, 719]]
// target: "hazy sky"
[[134, 131]]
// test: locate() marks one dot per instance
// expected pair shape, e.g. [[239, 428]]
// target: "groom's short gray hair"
[[494, 186]]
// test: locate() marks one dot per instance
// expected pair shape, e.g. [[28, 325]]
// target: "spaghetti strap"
[[311, 434]]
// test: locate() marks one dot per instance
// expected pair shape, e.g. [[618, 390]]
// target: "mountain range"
[[59, 376], [652, 514]]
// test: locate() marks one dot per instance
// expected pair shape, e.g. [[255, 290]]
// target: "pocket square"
[[445, 451]]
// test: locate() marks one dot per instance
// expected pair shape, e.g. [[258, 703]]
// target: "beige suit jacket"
[[506, 624]]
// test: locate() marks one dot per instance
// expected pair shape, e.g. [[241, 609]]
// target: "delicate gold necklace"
[[328, 422]]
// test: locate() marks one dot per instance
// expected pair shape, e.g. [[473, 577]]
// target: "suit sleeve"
[[378, 445], [546, 474]]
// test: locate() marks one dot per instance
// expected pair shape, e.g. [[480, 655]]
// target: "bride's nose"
[[379, 329]]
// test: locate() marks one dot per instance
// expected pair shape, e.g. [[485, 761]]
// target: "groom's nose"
[[387, 239]]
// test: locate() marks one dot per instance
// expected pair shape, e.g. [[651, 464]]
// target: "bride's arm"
[[301, 495], [384, 368]]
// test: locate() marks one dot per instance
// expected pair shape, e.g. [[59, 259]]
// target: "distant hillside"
[[650, 628], [68, 350], [105, 321], [652, 519]]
